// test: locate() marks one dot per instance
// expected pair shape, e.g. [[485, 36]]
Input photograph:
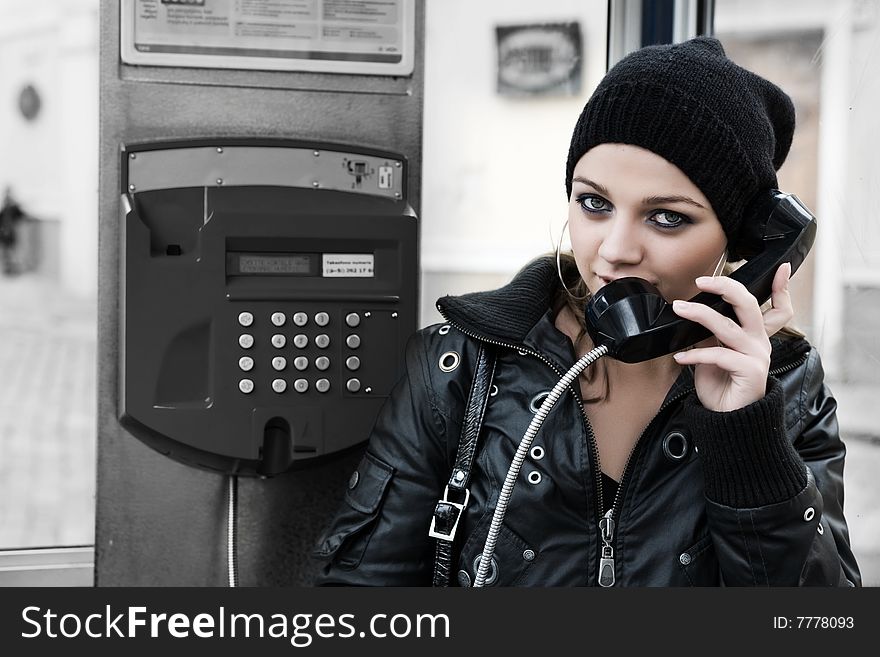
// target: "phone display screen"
[[263, 263], [321, 265]]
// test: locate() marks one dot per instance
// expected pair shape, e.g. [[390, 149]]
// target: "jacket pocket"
[[699, 563], [349, 533]]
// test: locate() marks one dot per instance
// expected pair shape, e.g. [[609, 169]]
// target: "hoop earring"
[[559, 267], [719, 268]]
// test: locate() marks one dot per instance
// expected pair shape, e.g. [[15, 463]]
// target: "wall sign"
[[539, 60], [370, 37]]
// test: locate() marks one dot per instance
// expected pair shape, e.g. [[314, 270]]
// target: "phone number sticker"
[[348, 265]]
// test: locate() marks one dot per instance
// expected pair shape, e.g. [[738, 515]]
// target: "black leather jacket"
[[748, 498]]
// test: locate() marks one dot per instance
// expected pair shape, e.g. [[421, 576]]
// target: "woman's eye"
[[592, 203], [667, 219]]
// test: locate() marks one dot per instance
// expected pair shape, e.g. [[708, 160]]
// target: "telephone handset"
[[636, 323]]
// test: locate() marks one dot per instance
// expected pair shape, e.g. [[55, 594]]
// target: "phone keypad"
[[298, 351]]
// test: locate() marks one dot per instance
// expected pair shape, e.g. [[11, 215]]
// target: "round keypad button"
[[300, 319], [300, 363], [279, 363], [322, 363], [353, 319], [353, 363], [322, 341], [353, 341], [246, 386], [278, 319], [245, 318], [246, 363], [353, 385], [246, 340], [322, 319], [322, 385], [279, 385], [300, 385], [300, 341], [278, 341]]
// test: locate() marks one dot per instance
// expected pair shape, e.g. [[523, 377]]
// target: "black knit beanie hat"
[[726, 128]]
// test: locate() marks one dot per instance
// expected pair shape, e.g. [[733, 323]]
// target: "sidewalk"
[[47, 415], [48, 427]]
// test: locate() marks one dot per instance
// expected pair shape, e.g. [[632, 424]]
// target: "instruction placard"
[[370, 37]]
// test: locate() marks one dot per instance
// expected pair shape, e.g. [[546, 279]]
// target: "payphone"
[[267, 289]]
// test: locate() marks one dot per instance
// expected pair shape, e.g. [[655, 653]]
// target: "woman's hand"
[[732, 371]]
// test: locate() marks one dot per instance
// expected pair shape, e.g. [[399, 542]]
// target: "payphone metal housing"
[[268, 288]]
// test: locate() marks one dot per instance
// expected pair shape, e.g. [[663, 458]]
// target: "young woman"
[[717, 465]]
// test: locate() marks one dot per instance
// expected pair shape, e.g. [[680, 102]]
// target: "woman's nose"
[[620, 244]]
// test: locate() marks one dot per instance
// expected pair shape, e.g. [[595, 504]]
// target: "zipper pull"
[[606, 563]]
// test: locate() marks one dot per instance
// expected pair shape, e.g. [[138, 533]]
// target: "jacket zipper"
[[789, 367], [607, 524]]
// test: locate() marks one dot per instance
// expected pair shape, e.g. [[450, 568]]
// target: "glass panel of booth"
[[48, 290], [824, 54]]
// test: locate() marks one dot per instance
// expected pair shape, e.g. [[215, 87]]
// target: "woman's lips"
[[610, 279]]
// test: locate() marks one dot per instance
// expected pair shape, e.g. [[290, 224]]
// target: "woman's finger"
[[781, 310], [732, 362], [726, 330], [745, 305]]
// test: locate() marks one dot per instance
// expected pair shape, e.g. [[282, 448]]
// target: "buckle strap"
[[448, 512], [446, 516], [478, 400]]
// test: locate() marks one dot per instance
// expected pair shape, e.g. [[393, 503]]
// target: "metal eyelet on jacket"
[[534, 477], [809, 514], [450, 361], [537, 452], [493, 390], [675, 446], [493, 570], [537, 400], [443, 329]]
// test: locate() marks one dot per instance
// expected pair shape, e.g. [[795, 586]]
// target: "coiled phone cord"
[[525, 443], [232, 485]]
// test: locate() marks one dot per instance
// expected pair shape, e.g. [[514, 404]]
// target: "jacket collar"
[[510, 312], [507, 315]]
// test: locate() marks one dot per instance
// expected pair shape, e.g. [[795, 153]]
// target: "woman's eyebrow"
[[675, 198], [586, 181], [648, 200]]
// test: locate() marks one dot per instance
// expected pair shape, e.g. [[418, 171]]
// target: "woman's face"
[[632, 213]]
